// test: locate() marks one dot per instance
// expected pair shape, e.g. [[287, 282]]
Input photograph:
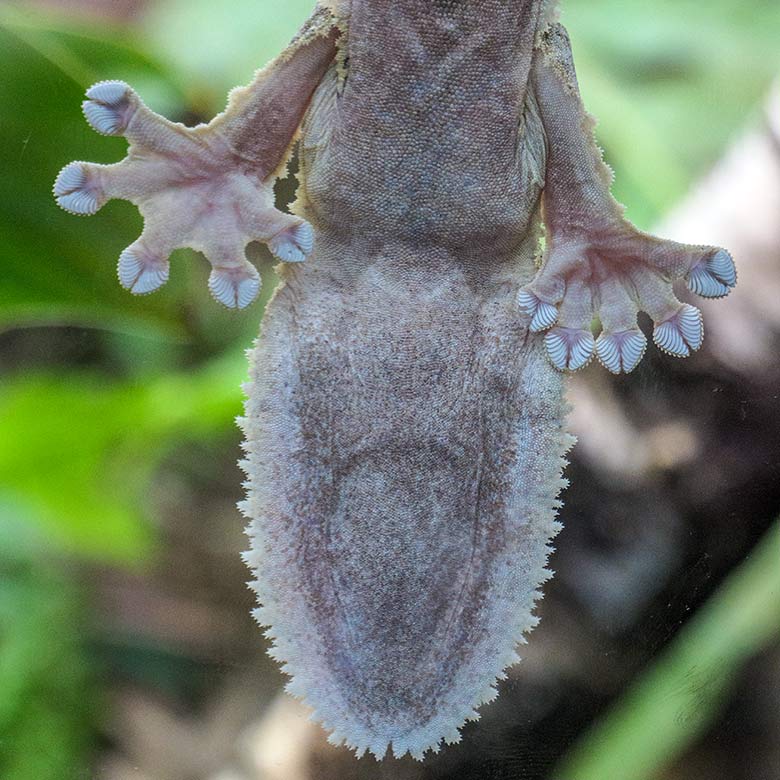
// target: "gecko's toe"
[[621, 351], [543, 315], [235, 288], [141, 273], [293, 244], [76, 191], [681, 334], [569, 348], [714, 276], [109, 107]]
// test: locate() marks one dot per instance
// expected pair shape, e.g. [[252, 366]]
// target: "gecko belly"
[[404, 455]]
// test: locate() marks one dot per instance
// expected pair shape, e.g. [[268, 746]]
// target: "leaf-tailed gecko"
[[404, 426]]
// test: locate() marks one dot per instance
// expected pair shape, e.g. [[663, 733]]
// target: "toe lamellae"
[[141, 273], [543, 315], [714, 276], [621, 352], [76, 192], [235, 288], [569, 349], [109, 107], [681, 334]]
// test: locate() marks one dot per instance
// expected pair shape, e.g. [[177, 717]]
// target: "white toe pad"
[[543, 315], [108, 107], [681, 334], [75, 193], [141, 274], [294, 244], [235, 288], [621, 351], [569, 349], [714, 277]]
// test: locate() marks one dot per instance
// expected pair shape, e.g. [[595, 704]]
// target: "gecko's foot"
[[625, 272], [193, 191]]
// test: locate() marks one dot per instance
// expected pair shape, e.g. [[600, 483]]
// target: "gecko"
[[405, 433]]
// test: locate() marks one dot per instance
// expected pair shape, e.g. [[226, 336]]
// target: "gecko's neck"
[[429, 66], [436, 40]]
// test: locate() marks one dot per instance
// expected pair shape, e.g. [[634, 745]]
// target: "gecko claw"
[[235, 288], [109, 107], [543, 315], [713, 277], [293, 244], [569, 349], [141, 274], [75, 193], [681, 334], [621, 351]]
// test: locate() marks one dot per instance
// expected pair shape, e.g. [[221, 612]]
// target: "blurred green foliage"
[[47, 692], [79, 452], [670, 84]]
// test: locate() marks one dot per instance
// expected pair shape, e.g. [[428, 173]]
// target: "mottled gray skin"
[[405, 370], [405, 453], [404, 421], [425, 144]]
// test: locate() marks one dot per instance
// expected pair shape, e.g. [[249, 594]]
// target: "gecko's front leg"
[[596, 263], [209, 187]]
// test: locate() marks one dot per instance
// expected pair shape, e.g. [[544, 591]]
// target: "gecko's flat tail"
[[390, 731], [398, 552], [395, 600]]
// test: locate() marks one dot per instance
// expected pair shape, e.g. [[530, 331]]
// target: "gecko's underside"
[[404, 423]]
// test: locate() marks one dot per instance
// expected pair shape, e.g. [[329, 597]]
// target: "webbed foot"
[[596, 262], [613, 273], [193, 190]]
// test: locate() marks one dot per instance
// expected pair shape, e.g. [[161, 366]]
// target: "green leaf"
[[59, 268], [670, 84], [78, 452], [218, 50]]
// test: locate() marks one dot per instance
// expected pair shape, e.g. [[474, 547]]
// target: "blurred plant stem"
[[679, 696]]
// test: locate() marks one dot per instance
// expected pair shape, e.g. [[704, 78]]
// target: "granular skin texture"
[[405, 434]]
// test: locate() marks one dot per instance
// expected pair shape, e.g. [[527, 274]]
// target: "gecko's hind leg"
[[596, 263], [210, 187]]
